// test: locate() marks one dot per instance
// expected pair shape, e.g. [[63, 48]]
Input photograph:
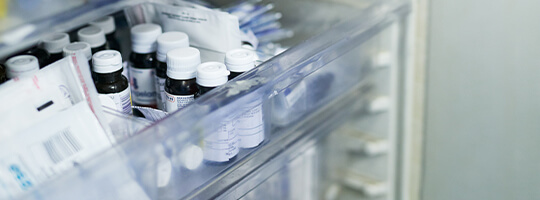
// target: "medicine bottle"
[[180, 86], [54, 44], [109, 27], [94, 36], [112, 86], [250, 124], [75, 47], [166, 42], [143, 64], [222, 145], [239, 61], [23, 65]]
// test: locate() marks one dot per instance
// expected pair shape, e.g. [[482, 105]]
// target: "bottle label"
[[175, 102], [160, 89], [119, 101], [222, 145], [142, 86], [250, 127]]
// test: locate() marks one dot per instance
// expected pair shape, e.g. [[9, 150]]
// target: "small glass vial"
[[250, 125], [94, 36], [142, 66], [23, 65], [112, 86], [54, 44], [109, 27], [222, 145], [180, 86], [166, 42], [82, 47]]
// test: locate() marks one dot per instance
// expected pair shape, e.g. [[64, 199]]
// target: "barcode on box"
[[62, 146]]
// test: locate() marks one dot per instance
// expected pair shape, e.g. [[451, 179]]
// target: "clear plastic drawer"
[[332, 75]]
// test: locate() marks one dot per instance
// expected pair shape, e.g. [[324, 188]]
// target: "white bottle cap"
[[240, 60], [107, 61], [21, 66], [75, 47], [212, 74], [55, 42], [92, 35], [169, 41], [106, 23], [182, 63], [144, 36]]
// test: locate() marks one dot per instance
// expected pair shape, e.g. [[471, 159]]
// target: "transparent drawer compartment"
[[311, 86]]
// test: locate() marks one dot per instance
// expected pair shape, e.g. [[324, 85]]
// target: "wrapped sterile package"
[[51, 120], [30, 99], [47, 148], [208, 29]]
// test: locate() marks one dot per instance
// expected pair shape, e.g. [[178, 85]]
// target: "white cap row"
[[106, 61], [185, 63], [93, 35]]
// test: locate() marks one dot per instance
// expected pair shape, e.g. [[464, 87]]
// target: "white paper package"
[[48, 148], [209, 29], [49, 121], [27, 100]]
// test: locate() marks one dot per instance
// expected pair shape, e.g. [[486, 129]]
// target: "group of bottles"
[[101, 48], [164, 73]]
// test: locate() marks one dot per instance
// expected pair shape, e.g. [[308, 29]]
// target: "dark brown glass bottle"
[[54, 44], [180, 85], [109, 83], [176, 89], [165, 43], [112, 86], [142, 66]]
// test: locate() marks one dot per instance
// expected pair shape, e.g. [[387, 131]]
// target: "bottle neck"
[[99, 48], [234, 75], [204, 90], [109, 77], [111, 36]]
